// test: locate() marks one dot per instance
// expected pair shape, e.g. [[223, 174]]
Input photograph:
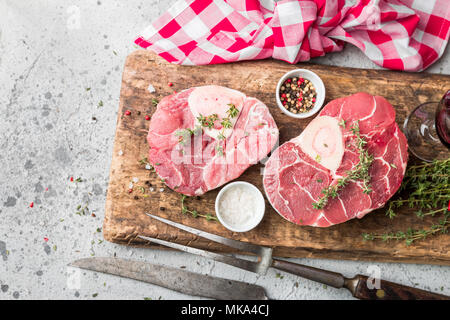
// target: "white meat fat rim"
[[323, 141]]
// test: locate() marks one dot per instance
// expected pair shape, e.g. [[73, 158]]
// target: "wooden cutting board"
[[124, 213]]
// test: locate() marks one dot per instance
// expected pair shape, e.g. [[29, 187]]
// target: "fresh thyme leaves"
[[154, 102], [428, 187], [428, 190], [208, 122], [279, 276], [226, 123], [360, 172], [143, 161], [342, 123], [195, 213], [233, 111], [186, 134], [83, 210], [412, 235]]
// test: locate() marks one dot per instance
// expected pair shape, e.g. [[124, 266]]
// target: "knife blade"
[[179, 280]]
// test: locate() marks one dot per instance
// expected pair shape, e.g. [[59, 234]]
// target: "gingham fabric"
[[403, 35]]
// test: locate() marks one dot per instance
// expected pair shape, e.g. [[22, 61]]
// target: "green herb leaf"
[[427, 186], [226, 123], [233, 111], [359, 173]]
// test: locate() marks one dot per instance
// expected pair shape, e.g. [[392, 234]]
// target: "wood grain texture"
[[124, 215], [391, 291]]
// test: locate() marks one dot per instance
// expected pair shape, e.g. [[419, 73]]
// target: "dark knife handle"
[[388, 291]]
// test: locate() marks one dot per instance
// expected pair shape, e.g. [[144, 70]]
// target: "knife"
[[179, 280]]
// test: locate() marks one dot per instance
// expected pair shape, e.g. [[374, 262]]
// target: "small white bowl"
[[318, 86], [257, 219]]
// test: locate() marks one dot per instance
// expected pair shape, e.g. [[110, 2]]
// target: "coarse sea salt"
[[151, 88], [239, 206]]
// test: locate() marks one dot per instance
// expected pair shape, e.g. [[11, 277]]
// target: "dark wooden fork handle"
[[358, 285], [388, 291]]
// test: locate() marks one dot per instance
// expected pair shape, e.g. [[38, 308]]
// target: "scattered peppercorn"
[[297, 95], [127, 113], [138, 113], [71, 179], [136, 198], [32, 205], [162, 209], [130, 190], [170, 84], [93, 215], [147, 118]]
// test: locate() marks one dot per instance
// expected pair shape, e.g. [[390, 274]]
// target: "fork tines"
[[264, 253]]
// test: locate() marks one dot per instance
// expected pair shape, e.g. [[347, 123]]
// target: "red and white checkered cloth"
[[403, 35]]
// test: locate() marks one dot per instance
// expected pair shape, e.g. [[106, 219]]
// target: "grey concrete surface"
[[48, 59]]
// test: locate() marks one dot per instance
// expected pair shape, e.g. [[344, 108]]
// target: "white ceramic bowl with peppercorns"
[[308, 93]]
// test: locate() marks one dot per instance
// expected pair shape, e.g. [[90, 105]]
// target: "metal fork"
[[358, 285]]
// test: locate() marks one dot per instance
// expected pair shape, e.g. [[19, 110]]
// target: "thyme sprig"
[[359, 173], [428, 189], [184, 135], [233, 111], [226, 123], [195, 213], [208, 122], [412, 235]]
